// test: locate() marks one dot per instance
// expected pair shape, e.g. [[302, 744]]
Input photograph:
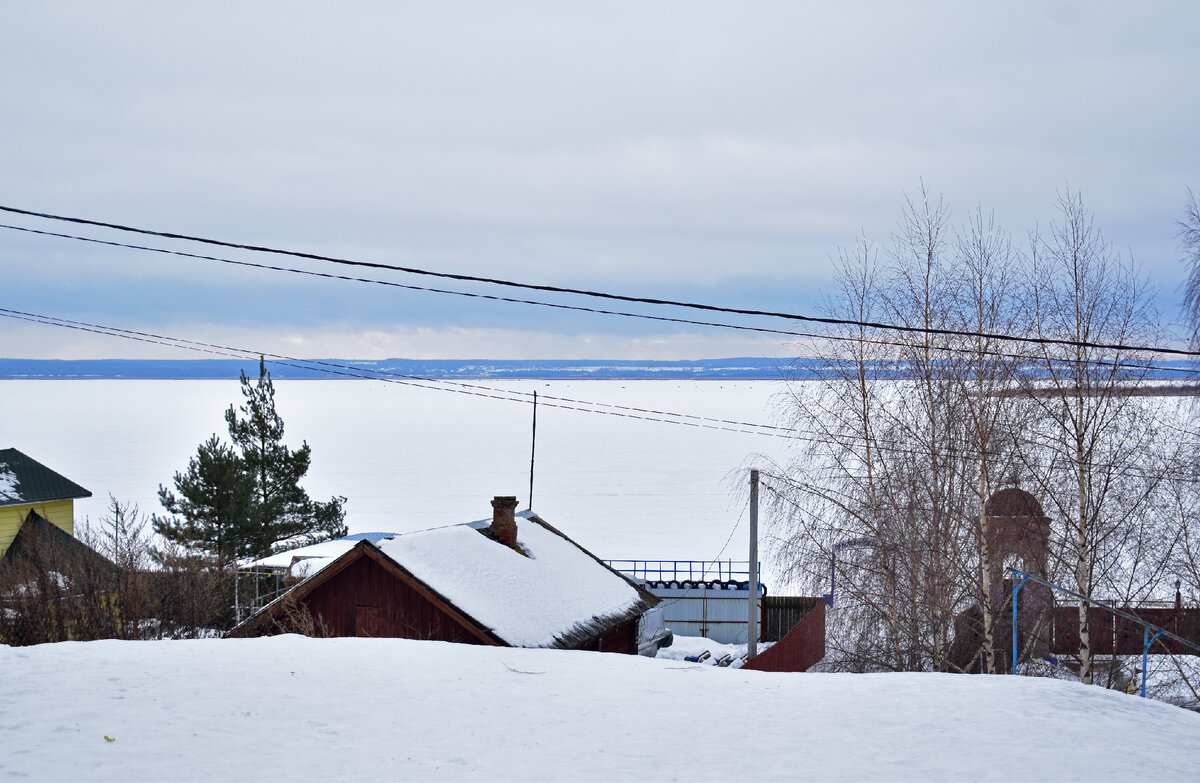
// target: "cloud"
[[26, 340], [705, 151]]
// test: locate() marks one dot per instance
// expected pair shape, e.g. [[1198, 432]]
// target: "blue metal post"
[[1147, 640], [833, 575], [1016, 589]]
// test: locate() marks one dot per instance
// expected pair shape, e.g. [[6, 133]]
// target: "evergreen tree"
[[282, 512], [210, 512], [246, 500]]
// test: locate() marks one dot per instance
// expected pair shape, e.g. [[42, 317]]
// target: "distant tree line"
[[905, 468]]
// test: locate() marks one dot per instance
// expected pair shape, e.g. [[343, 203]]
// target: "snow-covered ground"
[[293, 708], [684, 647]]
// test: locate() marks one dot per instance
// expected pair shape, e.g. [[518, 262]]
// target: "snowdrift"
[[295, 708]]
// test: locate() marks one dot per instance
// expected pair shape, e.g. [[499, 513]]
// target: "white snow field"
[[293, 708], [410, 459]]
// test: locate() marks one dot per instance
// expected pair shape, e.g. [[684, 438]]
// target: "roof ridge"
[[33, 482]]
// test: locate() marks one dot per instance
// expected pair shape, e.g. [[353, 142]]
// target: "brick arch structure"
[[1016, 527], [1018, 534]]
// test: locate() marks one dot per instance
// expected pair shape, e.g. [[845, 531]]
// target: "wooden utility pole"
[[752, 598]]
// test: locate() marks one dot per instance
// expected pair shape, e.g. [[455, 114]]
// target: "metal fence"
[[1150, 631], [684, 570], [718, 614]]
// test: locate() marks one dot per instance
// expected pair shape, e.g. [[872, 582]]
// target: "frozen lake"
[[409, 458]]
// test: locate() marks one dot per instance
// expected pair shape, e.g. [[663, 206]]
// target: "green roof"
[[24, 481]]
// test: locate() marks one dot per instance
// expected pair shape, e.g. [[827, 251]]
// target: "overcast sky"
[[719, 153]]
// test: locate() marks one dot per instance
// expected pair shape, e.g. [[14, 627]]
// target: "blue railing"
[[1147, 627], [678, 570]]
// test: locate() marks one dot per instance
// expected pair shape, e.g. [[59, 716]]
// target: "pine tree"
[[246, 500], [210, 512], [282, 512]]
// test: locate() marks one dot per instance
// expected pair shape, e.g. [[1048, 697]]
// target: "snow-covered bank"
[[299, 709]]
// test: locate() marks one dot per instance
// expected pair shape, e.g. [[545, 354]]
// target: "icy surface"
[[526, 600], [343, 709], [409, 458]]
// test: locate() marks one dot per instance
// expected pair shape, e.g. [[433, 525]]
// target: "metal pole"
[[532, 449], [1145, 656], [1016, 589], [832, 577], [752, 598], [1146, 642]]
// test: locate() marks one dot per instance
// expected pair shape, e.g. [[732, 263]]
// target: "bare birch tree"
[[1082, 294], [833, 493], [926, 416], [910, 433], [985, 374], [893, 487], [1189, 243]]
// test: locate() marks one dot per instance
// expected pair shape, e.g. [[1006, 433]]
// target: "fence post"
[[1017, 585], [1146, 642]]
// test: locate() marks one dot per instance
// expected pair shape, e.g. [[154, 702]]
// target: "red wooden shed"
[[516, 581]]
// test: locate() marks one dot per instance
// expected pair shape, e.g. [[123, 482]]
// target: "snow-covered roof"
[[8, 484], [551, 594], [326, 550], [528, 601], [303, 562]]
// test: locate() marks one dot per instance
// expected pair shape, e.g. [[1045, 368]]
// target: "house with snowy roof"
[[35, 500], [513, 581]]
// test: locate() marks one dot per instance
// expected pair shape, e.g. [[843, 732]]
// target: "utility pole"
[[752, 598]]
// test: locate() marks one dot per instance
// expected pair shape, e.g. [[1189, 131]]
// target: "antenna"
[[532, 450]]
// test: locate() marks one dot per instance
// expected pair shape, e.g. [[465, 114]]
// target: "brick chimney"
[[504, 523]]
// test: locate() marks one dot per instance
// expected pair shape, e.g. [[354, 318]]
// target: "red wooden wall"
[[799, 649], [365, 599], [1114, 635], [371, 597]]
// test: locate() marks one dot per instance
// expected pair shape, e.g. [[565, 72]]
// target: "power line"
[[485, 392], [349, 371], [605, 295], [393, 284], [1148, 366]]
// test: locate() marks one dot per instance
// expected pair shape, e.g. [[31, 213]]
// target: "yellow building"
[[27, 485]]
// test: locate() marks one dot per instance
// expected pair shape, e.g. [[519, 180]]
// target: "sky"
[[710, 152]]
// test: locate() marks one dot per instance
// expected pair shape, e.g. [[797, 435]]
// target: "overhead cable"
[[469, 389], [605, 295], [1116, 364], [350, 371]]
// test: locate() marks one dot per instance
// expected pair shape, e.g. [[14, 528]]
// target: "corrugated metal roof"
[[24, 480]]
